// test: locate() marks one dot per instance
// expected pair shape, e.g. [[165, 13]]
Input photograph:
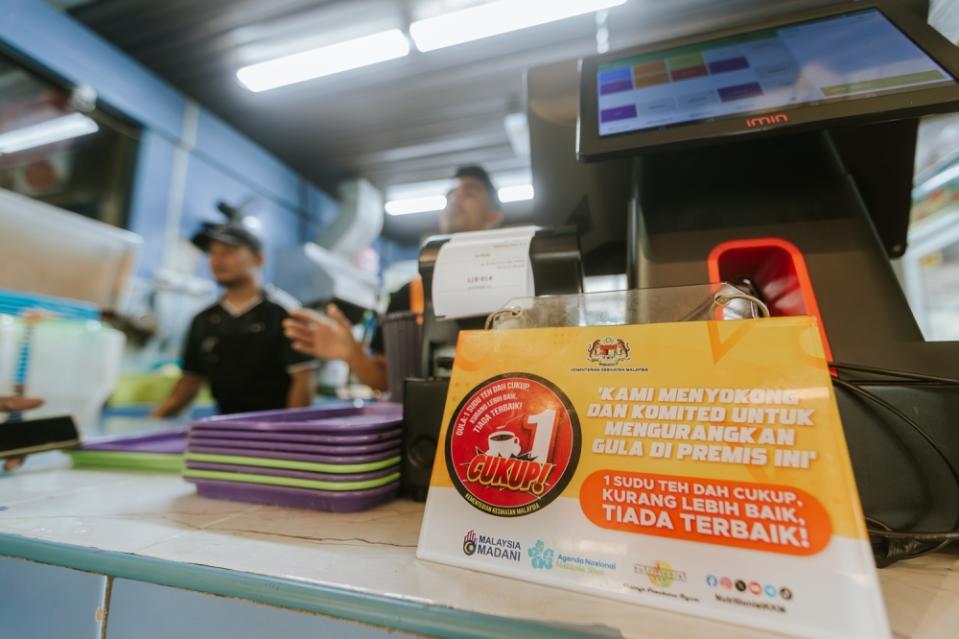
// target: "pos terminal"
[[782, 154]]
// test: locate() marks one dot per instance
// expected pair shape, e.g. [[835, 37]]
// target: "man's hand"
[[15, 405], [326, 337], [331, 337]]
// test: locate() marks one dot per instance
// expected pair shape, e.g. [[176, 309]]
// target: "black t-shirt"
[[399, 301], [246, 358]]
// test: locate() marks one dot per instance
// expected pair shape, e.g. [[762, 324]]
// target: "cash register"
[[780, 155]]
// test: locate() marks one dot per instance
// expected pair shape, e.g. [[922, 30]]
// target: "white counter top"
[[148, 517]]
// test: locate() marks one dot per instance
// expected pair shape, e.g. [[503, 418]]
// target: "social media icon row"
[[754, 587]]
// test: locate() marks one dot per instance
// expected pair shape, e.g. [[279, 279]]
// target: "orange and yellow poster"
[[696, 466]]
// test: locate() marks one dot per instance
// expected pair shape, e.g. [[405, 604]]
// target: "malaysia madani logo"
[[608, 351], [469, 543]]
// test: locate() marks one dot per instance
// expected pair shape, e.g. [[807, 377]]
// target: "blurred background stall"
[[148, 117]]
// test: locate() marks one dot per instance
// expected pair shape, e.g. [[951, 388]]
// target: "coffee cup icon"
[[503, 443]]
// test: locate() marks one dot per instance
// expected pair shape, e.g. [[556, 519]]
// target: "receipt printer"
[[556, 268]]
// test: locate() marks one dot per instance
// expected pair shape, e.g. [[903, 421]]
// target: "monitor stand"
[[709, 213]]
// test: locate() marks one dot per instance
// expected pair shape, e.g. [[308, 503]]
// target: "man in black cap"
[[237, 345], [472, 204]]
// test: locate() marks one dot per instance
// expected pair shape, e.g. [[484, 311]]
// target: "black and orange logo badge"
[[608, 351], [513, 444]]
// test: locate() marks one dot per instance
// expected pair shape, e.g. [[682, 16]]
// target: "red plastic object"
[[778, 270]]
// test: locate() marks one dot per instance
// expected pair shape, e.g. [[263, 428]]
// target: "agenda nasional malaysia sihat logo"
[[513, 444]]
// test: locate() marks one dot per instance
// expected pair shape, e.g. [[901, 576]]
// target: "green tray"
[[248, 478], [288, 464], [163, 462]]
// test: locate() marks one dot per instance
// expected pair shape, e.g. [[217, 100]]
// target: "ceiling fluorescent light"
[[497, 17], [409, 205], [316, 63], [517, 130], [516, 193], [56, 130], [427, 196]]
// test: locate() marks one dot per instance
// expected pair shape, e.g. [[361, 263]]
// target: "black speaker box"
[[423, 403]]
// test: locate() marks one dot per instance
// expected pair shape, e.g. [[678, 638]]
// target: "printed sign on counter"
[[478, 273], [698, 466]]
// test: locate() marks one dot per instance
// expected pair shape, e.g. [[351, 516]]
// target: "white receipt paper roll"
[[477, 273]]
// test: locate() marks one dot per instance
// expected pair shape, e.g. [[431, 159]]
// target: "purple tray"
[[171, 442], [338, 419], [330, 501], [362, 449], [298, 474], [318, 459], [300, 438]]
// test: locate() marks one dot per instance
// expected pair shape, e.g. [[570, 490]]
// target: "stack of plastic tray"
[[158, 451], [339, 458]]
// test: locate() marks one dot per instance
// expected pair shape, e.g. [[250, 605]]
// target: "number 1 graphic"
[[543, 426]]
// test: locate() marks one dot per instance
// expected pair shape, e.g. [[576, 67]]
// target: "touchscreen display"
[[838, 58]]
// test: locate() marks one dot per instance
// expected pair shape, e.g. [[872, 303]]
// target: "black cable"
[[861, 392], [896, 545], [910, 383], [948, 536], [888, 372], [888, 551]]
